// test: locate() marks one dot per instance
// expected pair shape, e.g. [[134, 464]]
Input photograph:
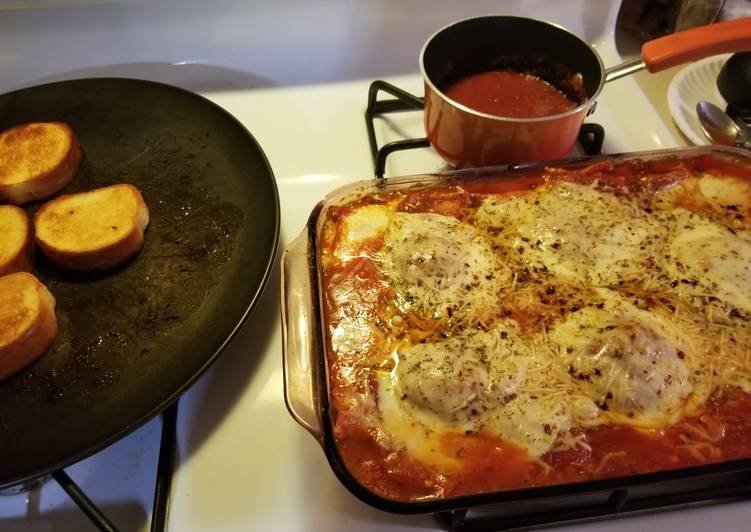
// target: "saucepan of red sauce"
[[503, 89]]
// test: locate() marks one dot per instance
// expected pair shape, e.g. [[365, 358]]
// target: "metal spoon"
[[720, 128]]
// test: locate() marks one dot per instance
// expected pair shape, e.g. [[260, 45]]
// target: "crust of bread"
[[94, 230], [37, 160], [16, 240], [28, 325]]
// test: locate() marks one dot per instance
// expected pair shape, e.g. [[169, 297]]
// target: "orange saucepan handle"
[[697, 43]]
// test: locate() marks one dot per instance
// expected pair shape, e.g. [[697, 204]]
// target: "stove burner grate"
[[165, 467], [619, 502]]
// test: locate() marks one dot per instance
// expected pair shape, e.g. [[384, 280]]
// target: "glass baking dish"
[[307, 389]]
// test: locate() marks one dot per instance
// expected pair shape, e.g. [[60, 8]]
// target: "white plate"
[[695, 82]]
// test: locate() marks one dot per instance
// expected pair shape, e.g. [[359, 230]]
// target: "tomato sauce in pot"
[[509, 94]]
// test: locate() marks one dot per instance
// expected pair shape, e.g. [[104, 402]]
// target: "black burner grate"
[[620, 502], [162, 486]]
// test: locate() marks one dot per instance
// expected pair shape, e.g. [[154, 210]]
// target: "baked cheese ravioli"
[[563, 325]]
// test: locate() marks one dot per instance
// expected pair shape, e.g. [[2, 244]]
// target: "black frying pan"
[[133, 339]]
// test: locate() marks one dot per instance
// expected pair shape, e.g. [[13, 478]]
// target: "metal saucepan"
[[468, 138]]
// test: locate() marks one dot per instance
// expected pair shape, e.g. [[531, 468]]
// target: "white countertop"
[[296, 74]]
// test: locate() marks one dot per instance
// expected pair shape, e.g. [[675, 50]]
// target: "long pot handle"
[[300, 338], [688, 45]]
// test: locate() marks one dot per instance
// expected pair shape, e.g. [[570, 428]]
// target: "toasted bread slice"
[[92, 230], [16, 240], [37, 160], [27, 321]]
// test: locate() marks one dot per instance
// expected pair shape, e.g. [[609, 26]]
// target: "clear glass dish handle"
[[300, 339]]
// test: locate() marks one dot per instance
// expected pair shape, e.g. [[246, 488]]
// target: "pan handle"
[[688, 45], [300, 339], [697, 43]]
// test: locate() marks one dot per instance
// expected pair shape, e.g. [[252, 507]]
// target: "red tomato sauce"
[[511, 94], [504, 186], [489, 464], [715, 166], [450, 201]]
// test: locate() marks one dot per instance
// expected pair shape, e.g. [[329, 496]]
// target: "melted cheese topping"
[[440, 267], [726, 200], [579, 233], [707, 258], [626, 360], [365, 223], [481, 381]]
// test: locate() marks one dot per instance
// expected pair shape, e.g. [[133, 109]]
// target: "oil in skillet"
[[509, 94]]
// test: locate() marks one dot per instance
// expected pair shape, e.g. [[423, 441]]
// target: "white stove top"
[[296, 74]]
